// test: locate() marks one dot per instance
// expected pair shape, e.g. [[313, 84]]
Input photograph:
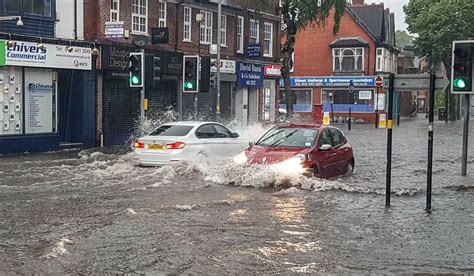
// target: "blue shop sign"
[[249, 74], [254, 50], [360, 108], [330, 81]]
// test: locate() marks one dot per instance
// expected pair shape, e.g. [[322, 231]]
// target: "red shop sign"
[[272, 70]]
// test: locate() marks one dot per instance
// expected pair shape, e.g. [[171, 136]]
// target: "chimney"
[[357, 2]]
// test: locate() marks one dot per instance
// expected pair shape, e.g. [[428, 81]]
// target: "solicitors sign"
[[50, 56], [249, 74]]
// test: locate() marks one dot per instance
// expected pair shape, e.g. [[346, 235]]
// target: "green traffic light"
[[135, 80], [189, 85], [459, 83]]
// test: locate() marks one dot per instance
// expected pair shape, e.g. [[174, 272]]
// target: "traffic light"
[[156, 70], [461, 77], [190, 74], [205, 74], [136, 69]]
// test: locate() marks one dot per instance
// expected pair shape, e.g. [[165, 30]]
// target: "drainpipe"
[[177, 25], [75, 19]]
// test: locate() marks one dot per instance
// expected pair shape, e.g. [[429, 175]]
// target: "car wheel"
[[350, 168]]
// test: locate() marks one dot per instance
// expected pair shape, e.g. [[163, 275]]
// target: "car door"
[[206, 135], [340, 164], [228, 144], [325, 158]]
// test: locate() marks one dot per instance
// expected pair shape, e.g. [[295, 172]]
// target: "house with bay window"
[[337, 72]]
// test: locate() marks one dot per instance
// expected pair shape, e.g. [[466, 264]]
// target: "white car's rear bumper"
[[145, 158]]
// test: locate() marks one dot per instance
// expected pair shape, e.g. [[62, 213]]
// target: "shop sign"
[[273, 70], [50, 56], [365, 95], [114, 29], [344, 108], [249, 75], [116, 58], [227, 66], [254, 50], [330, 81], [160, 35]]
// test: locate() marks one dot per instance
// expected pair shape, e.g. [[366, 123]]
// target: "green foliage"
[[403, 38], [438, 23]]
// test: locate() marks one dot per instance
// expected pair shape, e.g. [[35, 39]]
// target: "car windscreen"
[[289, 137], [171, 130]]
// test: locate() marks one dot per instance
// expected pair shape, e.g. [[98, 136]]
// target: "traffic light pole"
[[429, 171], [218, 60], [465, 135], [388, 179], [142, 95]]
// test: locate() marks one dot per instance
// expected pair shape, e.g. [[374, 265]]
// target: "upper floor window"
[[348, 59], [223, 30], [254, 34], [139, 16], [31, 7], [114, 10], [240, 34], [162, 14], [268, 39], [187, 24], [379, 62], [206, 28]]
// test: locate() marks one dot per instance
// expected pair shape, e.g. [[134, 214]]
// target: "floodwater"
[[92, 211]]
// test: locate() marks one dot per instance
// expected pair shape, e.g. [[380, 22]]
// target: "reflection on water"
[[289, 210]]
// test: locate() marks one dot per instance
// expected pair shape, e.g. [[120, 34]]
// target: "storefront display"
[[10, 101]]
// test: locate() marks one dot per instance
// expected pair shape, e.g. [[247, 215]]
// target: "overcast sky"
[[396, 6]]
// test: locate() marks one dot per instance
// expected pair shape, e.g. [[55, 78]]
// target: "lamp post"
[[218, 59], [199, 19]]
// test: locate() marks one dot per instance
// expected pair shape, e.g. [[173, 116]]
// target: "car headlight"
[[292, 166], [240, 158]]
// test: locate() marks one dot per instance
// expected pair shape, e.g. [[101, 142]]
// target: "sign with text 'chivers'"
[[249, 74]]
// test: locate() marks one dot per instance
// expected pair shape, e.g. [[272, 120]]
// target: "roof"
[[351, 41], [290, 125], [190, 123]]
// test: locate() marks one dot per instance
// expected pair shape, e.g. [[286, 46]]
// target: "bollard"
[[349, 122], [382, 121], [326, 119]]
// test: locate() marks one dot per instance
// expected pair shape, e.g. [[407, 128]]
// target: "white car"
[[172, 143]]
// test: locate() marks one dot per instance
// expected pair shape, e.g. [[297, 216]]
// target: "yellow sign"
[[382, 121], [326, 119], [145, 104]]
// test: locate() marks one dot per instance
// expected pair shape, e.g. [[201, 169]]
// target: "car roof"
[[308, 126], [190, 123]]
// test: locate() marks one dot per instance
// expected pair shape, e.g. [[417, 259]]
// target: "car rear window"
[[171, 130]]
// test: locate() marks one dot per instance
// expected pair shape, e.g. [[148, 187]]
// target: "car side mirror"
[[234, 135], [251, 144], [325, 147]]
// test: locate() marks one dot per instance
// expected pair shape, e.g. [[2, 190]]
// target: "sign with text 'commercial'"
[[28, 54]]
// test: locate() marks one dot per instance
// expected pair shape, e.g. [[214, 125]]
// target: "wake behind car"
[[321, 151], [172, 143]]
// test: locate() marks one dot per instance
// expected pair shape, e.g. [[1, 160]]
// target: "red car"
[[314, 150]]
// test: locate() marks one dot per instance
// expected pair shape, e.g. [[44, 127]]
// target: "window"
[[187, 24], [336, 137], [325, 138], [162, 14], [289, 137], [222, 132], [268, 39], [240, 34], [139, 16], [380, 59], [206, 131], [206, 28], [223, 30], [34, 7], [171, 130], [12, 6], [114, 10], [302, 101], [348, 59], [254, 26]]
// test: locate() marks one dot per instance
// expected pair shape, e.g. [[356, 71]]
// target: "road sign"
[[351, 87], [379, 81], [411, 82]]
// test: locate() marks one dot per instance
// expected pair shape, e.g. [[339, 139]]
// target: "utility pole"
[[465, 135], [218, 60]]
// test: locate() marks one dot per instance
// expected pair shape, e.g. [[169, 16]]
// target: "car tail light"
[[138, 145], [176, 145]]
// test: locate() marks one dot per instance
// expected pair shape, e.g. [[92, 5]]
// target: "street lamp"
[[19, 22]]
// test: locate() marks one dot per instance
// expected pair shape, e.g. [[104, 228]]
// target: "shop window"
[[267, 93], [11, 95], [301, 100], [139, 16], [348, 59], [362, 100]]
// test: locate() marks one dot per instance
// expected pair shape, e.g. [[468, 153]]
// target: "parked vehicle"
[[175, 142], [314, 150]]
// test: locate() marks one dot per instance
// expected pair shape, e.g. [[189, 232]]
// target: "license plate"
[[155, 147]]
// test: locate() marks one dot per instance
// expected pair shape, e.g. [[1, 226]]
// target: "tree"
[[403, 38], [296, 15], [437, 23]]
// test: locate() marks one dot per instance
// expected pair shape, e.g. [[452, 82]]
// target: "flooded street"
[[88, 211]]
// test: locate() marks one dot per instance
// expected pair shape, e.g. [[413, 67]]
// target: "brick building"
[[243, 24], [327, 66]]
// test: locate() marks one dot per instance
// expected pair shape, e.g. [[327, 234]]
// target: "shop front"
[[337, 96], [47, 97], [250, 80], [269, 108]]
